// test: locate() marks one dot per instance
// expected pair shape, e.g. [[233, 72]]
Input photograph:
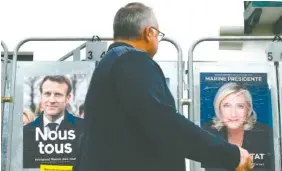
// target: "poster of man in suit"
[[52, 119], [238, 107]]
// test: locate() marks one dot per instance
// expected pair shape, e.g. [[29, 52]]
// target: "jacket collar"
[[116, 44], [68, 118]]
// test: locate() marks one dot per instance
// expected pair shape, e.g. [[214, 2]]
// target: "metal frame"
[[180, 67], [71, 53], [3, 81], [190, 75], [9, 60], [180, 77], [280, 97], [236, 67], [5, 62], [26, 70]]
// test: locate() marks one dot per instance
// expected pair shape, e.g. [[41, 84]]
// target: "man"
[[131, 122], [54, 137]]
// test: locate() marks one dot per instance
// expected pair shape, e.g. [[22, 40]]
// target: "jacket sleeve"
[[137, 84]]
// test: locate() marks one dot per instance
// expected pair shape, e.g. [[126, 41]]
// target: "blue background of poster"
[[259, 90]]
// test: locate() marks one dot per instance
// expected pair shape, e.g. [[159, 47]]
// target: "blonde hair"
[[225, 90], [38, 109], [30, 116]]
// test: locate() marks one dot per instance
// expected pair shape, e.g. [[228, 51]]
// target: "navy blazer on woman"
[[258, 141]]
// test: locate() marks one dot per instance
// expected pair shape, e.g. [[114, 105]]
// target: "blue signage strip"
[[267, 4]]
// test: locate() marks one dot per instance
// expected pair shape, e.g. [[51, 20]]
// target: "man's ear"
[[148, 34], [68, 98]]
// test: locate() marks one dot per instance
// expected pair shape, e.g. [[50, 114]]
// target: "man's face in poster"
[[54, 98]]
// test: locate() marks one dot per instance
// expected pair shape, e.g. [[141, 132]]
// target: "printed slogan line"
[[46, 169], [234, 78], [55, 168]]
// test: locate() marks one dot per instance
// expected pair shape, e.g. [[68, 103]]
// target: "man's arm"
[[137, 83]]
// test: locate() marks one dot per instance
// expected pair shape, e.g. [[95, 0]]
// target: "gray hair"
[[131, 19], [224, 91]]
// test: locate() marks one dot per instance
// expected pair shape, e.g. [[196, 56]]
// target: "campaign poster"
[[167, 80], [53, 115], [237, 107]]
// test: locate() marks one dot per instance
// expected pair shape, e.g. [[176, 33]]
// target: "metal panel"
[[76, 55], [15, 88], [274, 51], [4, 68], [190, 77], [280, 99], [4, 110], [239, 68], [171, 73], [209, 39], [95, 50], [174, 43], [5, 121], [27, 69]]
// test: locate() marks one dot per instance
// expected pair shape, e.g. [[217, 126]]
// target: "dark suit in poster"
[[62, 150], [222, 113], [53, 119]]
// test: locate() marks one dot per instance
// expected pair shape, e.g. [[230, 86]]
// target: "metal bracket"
[[96, 38], [6, 100], [277, 38], [186, 101]]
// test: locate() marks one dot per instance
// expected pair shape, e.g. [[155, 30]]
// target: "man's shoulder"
[[125, 50], [136, 58], [73, 119], [136, 54], [131, 60], [29, 129], [74, 122], [33, 124], [30, 125], [122, 56]]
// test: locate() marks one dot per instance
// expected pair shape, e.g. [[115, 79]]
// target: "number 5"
[[269, 56]]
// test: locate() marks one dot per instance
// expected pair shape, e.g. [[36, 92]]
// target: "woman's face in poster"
[[234, 110]]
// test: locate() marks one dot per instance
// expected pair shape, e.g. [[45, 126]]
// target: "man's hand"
[[246, 161]]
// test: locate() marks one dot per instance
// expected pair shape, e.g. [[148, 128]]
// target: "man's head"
[[137, 25], [55, 95]]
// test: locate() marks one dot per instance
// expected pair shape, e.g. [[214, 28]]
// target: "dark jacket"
[[258, 141], [32, 158], [132, 123]]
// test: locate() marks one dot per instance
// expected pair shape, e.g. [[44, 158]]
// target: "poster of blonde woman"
[[237, 107], [53, 119]]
